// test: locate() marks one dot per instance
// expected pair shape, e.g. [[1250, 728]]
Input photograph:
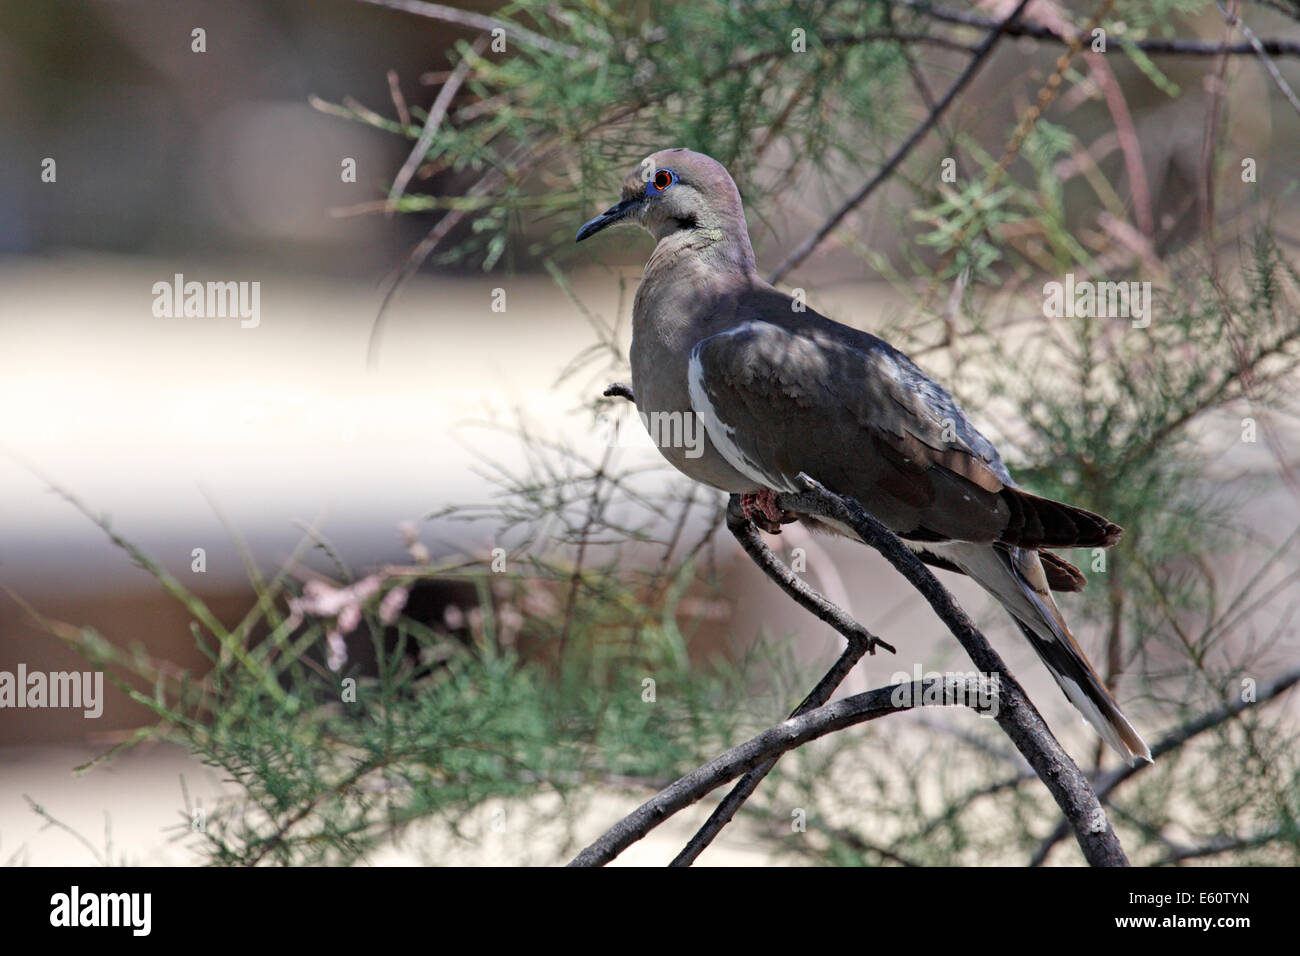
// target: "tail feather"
[[1088, 694], [1061, 574], [1036, 522], [1015, 576]]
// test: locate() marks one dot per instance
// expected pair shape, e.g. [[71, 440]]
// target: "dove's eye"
[[663, 178]]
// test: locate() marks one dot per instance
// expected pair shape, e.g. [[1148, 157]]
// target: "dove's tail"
[[1089, 695], [1016, 578]]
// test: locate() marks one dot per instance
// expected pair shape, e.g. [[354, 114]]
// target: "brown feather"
[[1061, 574], [1042, 523]]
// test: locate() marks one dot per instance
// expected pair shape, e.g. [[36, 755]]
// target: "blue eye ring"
[[661, 180]]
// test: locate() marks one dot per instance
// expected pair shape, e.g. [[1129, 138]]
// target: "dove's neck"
[[691, 286], [715, 240]]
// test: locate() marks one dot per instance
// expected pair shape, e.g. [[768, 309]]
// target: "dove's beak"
[[613, 214]]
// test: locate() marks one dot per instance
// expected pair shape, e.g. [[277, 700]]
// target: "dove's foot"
[[761, 508]]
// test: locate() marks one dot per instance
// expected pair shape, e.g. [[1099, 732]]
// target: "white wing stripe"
[[720, 433]]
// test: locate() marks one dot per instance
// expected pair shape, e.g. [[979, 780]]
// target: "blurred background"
[[129, 156]]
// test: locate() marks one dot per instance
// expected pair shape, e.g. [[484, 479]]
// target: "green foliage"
[[553, 134], [332, 765]]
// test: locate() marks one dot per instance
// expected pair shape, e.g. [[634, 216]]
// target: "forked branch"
[[1015, 714]]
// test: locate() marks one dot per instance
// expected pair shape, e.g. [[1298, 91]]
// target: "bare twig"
[[794, 586], [431, 122], [52, 821], [1139, 189], [1220, 845], [805, 248], [1233, 19], [1107, 782], [744, 789], [860, 641], [793, 733], [1016, 715], [399, 101], [478, 21], [1152, 45]]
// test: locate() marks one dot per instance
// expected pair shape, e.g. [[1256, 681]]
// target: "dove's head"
[[677, 190]]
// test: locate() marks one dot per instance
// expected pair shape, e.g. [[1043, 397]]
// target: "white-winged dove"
[[781, 390]]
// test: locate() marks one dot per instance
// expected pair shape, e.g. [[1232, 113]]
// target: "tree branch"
[[860, 641], [805, 248], [479, 21], [768, 745], [432, 121], [1107, 782], [1256, 44], [1152, 45], [1015, 714]]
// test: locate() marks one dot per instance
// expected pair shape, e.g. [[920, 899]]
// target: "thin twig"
[[424, 248], [805, 248], [478, 21], [860, 642], [52, 821], [1139, 189], [745, 787], [594, 508], [1233, 19], [1016, 714], [1107, 782], [431, 122], [773, 742], [923, 90], [1151, 45], [399, 101], [1221, 845]]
